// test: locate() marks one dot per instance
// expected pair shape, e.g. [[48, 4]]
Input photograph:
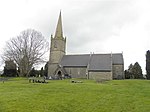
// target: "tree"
[[127, 74], [46, 69], [134, 72], [148, 64], [9, 72], [42, 72], [32, 72], [137, 71], [26, 50], [130, 71], [10, 69]]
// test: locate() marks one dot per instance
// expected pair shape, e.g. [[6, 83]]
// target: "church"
[[90, 66]]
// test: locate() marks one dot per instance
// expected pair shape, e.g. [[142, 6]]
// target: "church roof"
[[100, 62], [75, 60], [94, 62], [117, 58]]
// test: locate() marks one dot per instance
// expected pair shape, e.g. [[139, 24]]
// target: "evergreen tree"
[[37, 73], [134, 72], [127, 74], [148, 64], [46, 69], [32, 72], [10, 69], [9, 72], [130, 70], [42, 72], [137, 71]]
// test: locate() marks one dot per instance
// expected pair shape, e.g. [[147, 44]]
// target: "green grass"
[[18, 95]]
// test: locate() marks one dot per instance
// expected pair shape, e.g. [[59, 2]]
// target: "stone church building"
[[91, 66]]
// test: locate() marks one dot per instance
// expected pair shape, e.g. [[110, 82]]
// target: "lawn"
[[18, 95]]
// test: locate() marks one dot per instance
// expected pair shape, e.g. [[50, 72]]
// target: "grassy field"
[[18, 95]]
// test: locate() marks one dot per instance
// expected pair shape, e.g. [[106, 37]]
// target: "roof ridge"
[[77, 54]]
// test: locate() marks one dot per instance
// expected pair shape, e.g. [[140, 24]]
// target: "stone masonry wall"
[[76, 72], [51, 69], [118, 71], [100, 75]]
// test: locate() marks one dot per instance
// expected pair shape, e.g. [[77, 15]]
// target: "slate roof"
[[117, 58], [94, 62], [75, 60], [100, 62]]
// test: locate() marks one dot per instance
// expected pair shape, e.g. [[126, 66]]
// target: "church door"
[[59, 75]]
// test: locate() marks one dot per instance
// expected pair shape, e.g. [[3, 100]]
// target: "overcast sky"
[[99, 26]]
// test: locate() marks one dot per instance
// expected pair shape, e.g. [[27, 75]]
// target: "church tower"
[[57, 48]]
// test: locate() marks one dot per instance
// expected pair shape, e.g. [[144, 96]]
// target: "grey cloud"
[[97, 21]]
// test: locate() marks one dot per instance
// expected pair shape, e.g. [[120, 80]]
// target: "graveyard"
[[19, 95]]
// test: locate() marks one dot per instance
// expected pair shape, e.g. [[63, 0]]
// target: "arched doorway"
[[59, 75]]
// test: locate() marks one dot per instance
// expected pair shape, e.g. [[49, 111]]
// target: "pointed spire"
[[59, 31]]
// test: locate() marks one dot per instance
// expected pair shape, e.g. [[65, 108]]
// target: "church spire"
[[59, 31]]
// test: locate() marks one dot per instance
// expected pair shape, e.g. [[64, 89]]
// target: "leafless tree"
[[26, 50]]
